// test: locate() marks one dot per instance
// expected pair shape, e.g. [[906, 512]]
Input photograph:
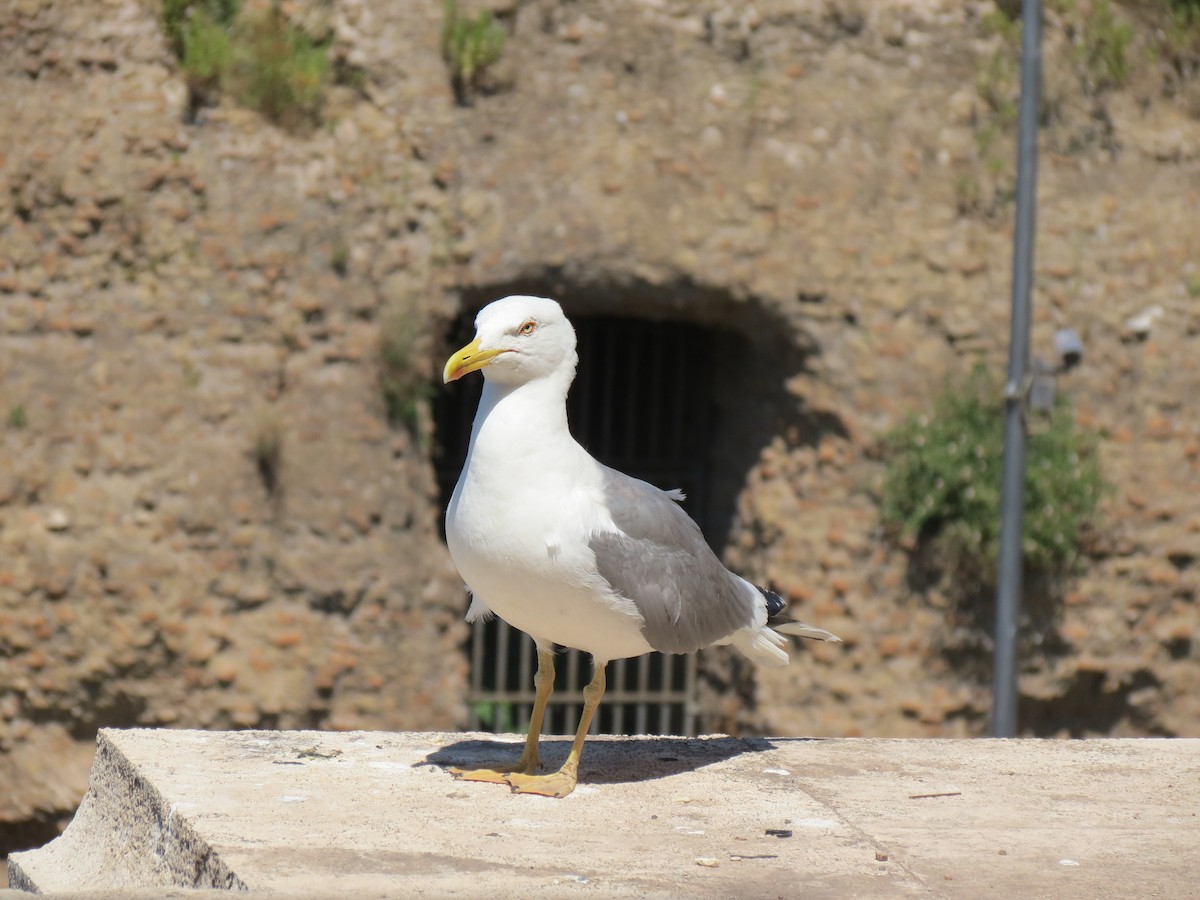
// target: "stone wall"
[[207, 520]]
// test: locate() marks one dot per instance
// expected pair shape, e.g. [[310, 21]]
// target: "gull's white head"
[[517, 339]]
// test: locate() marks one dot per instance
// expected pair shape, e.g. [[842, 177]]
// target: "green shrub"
[[998, 84], [1103, 48], [339, 257], [943, 481], [17, 417], [1100, 59], [260, 59], [1189, 10], [174, 21], [207, 54], [1179, 35], [1004, 23], [403, 380], [496, 717], [278, 70], [469, 46], [179, 18]]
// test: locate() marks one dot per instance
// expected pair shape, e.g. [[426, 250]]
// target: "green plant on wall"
[[1099, 59], [278, 70], [470, 44], [181, 17], [403, 380], [1102, 47], [1179, 44], [255, 55], [1183, 14], [268, 449], [497, 717], [199, 34], [339, 257], [943, 479], [207, 56]]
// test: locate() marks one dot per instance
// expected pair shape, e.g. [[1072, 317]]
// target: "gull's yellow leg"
[[543, 682], [564, 780]]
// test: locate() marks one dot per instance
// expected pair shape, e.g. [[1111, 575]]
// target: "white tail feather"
[[809, 631], [763, 646]]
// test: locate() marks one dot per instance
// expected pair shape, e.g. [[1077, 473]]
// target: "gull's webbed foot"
[[523, 767], [527, 765], [491, 776], [557, 784]]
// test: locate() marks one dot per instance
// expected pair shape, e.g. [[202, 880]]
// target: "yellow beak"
[[469, 359]]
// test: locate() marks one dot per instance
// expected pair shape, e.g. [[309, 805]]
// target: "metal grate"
[[641, 403]]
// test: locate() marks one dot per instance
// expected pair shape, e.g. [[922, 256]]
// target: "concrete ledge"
[[324, 814]]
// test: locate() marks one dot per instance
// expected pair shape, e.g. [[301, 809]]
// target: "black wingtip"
[[775, 603]]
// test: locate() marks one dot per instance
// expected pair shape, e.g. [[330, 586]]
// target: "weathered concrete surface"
[[321, 813]]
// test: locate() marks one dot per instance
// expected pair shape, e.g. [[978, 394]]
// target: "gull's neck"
[[520, 423]]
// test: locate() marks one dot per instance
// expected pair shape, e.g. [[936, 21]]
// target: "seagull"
[[572, 552]]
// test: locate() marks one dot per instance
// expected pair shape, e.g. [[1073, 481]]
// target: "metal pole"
[[1012, 502]]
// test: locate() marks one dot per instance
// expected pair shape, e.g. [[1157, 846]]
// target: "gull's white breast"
[[518, 527]]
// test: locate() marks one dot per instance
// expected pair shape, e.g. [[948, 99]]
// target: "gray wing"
[[660, 561]]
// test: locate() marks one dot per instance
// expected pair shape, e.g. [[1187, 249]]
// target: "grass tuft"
[[256, 56], [404, 381], [268, 450], [469, 46]]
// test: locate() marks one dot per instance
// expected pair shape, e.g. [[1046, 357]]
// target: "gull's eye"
[[528, 328]]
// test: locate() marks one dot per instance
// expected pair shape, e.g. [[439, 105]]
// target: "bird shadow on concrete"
[[609, 760]]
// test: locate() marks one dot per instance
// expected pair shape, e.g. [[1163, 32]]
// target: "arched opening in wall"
[[672, 400]]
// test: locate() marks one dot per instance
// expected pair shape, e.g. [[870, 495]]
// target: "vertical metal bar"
[[617, 710], [477, 657], [632, 361], [643, 687], [679, 373], [701, 343], [524, 664], [595, 726], [681, 669], [573, 687], [605, 447], [689, 703], [501, 670], [1012, 502], [523, 712], [652, 421]]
